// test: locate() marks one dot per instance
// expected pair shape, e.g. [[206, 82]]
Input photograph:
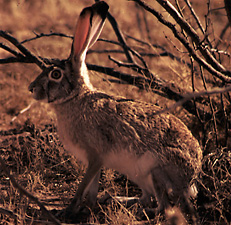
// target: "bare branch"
[[119, 63], [221, 52], [148, 54], [179, 8], [195, 16], [210, 64], [105, 51], [128, 49], [122, 40], [138, 81], [46, 35], [8, 49], [198, 22], [228, 10], [135, 67], [120, 37], [30, 57], [195, 95], [15, 60], [192, 33]]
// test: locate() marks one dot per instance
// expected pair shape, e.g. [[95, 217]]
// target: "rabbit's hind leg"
[[162, 188], [172, 195], [188, 209]]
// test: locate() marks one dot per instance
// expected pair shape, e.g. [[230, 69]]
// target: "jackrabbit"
[[157, 152]]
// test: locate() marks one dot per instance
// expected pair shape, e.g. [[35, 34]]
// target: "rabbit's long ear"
[[88, 29]]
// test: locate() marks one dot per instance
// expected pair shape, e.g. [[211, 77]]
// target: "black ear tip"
[[101, 4], [101, 7]]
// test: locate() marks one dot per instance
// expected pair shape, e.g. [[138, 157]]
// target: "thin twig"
[[10, 214], [222, 34], [211, 106], [221, 52], [22, 111], [195, 16], [198, 22], [122, 40], [135, 67], [115, 51], [135, 53], [199, 117], [226, 121], [179, 8], [194, 95], [41, 35], [146, 25], [193, 88]]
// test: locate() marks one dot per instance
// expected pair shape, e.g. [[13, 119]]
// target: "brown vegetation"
[[29, 143]]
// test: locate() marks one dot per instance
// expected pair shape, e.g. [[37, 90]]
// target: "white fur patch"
[[137, 168]]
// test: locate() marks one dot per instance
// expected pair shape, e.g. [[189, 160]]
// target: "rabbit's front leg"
[[92, 192], [89, 185]]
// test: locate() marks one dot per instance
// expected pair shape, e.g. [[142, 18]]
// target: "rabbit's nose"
[[31, 88]]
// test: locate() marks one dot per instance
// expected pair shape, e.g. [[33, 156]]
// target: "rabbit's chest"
[[76, 150], [70, 141]]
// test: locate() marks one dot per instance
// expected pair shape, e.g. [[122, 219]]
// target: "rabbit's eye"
[[56, 74]]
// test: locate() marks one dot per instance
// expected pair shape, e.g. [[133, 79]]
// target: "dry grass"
[[30, 145]]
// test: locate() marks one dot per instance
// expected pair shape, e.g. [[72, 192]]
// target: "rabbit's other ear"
[[88, 29]]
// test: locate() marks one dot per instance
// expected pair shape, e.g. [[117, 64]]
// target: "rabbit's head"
[[65, 78]]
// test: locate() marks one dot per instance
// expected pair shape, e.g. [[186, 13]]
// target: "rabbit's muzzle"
[[38, 91]]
